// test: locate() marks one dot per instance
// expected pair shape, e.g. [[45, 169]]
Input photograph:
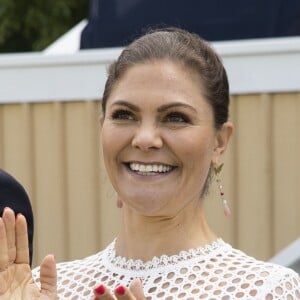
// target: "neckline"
[[163, 260]]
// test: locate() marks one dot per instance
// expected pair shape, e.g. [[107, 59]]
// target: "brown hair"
[[177, 45]]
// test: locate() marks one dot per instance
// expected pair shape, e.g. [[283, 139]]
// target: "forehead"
[[159, 81]]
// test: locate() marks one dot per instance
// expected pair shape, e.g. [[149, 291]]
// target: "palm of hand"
[[16, 283], [16, 280]]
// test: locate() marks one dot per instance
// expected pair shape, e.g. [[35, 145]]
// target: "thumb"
[[48, 276], [136, 289]]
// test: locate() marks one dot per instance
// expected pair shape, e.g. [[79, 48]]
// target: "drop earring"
[[119, 202], [217, 171]]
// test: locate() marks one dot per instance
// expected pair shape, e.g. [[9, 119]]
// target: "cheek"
[[109, 143], [110, 148], [197, 147], [114, 139]]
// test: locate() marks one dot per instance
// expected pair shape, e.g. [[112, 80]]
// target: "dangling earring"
[[119, 202], [217, 171]]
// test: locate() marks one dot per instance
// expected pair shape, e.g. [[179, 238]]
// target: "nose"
[[147, 137]]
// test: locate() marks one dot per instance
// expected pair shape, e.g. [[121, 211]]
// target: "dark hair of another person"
[[13, 195], [178, 46]]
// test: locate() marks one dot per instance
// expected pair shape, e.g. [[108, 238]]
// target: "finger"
[[3, 247], [136, 289], [103, 293], [123, 293], [48, 276], [22, 250], [9, 221]]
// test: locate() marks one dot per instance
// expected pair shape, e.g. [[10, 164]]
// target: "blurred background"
[[32, 25], [53, 63]]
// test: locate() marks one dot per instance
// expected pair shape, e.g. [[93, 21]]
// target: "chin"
[[146, 205]]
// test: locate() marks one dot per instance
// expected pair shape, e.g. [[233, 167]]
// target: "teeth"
[[149, 168]]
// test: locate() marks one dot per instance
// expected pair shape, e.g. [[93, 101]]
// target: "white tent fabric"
[[67, 43]]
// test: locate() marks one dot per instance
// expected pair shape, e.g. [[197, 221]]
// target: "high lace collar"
[[164, 260]]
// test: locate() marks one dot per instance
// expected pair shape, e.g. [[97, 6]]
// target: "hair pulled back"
[[178, 46]]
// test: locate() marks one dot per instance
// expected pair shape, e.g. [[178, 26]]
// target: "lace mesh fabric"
[[216, 271]]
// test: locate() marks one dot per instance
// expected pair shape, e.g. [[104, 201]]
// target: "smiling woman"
[[162, 103], [164, 130]]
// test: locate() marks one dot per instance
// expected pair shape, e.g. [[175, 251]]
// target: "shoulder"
[[76, 279], [264, 280], [70, 269], [80, 265], [280, 282]]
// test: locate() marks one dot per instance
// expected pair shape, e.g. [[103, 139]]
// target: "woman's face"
[[159, 138]]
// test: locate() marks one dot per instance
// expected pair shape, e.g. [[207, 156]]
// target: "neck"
[[145, 237]]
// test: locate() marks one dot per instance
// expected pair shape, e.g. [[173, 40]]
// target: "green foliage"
[[31, 25]]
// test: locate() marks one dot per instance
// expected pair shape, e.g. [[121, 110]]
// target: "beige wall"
[[53, 149]]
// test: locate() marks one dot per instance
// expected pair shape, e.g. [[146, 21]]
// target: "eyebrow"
[[175, 104], [162, 108], [128, 104]]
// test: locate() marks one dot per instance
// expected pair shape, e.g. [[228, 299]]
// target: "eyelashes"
[[122, 114], [173, 117], [176, 117]]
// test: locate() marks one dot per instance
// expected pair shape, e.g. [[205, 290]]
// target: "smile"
[[150, 169]]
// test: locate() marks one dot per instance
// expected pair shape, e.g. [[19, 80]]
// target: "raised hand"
[[134, 292], [16, 282]]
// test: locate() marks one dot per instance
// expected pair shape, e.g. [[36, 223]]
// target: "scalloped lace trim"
[[162, 261]]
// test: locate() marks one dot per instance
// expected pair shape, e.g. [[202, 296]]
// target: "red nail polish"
[[120, 290], [100, 290]]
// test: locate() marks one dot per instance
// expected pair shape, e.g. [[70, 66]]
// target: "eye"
[[176, 117], [122, 114]]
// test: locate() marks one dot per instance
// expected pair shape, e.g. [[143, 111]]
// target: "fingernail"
[[7, 209], [54, 257], [120, 290], [100, 290], [20, 215]]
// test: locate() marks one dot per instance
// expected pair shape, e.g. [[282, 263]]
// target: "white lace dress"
[[216, 271]]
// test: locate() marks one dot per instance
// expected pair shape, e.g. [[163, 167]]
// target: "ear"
[[101, 120], [221, 141]]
